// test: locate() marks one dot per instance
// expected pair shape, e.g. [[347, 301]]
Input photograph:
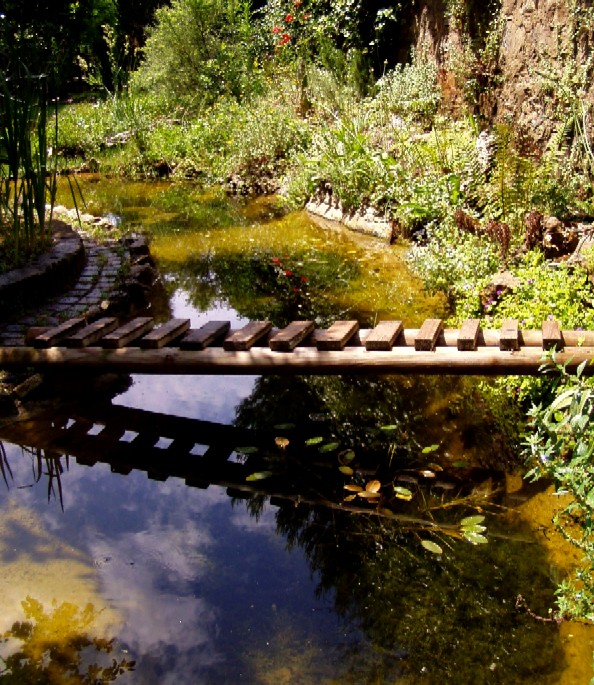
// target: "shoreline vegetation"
[[317, 105]]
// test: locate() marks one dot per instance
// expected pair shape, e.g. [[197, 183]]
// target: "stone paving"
[[88, 297]]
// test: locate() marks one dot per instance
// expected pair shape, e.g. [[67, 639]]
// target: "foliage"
[[559, 444], [198, 51], [27, 173]]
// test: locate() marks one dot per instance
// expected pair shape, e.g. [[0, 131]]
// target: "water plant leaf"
[[472, 521], [368, 495], [346, 457], [373, 486], [427, 473], [259, 475], [246, 450], [353, 488], [314, 441], [389, 427], [429, 448], [347, 470], [402, 493], [329, 447], [349, 498], [432, 547], [281, 442], [284, 426], [476, 538]]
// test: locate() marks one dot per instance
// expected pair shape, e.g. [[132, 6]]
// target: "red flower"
[[285, 39], [276, 260], [288, 273], [276, 29], [289, 18], [304, 279], [295, 289]]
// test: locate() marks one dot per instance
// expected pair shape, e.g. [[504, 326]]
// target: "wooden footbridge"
[[140, 346]]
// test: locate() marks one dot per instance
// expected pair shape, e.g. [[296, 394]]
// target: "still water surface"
[[161, 579]]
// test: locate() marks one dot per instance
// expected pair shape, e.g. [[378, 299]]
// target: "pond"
[[265, 529]]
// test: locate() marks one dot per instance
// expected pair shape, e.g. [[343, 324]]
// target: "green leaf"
[[390, 427], [314, 441], [471, 521], [430, 448], [432, 547], [259, 475], [476, 539], [347, 470], [284, 426], [402, 493], [330, 447], [346, 457]]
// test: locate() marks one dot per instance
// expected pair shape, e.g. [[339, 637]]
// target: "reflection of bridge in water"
[[275, 464], [299, 348]]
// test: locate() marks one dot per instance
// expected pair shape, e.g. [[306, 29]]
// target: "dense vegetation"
[[320, 98]]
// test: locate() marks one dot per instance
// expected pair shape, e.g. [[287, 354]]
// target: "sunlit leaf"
[[284, 426], [347, 470], [402, 493], [259, 475], [430, 448], [281, 442], [246, 450], [476, 539], [314, 441], [432, 547], [368, 495], [349, 498], [427, 474], [373, 486], [353, 488], [346, 457], [330, 447], [435, 467], [390, 427]]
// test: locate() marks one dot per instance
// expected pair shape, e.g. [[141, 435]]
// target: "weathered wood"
[[468, 335], [337, 336], [383, 336], [288, 338], [200, 338], [159, 337], [92, 333], [509, 336], [245, 338], [54, 335], [552, 337], [428, 334], [303, 360], [128, 333]]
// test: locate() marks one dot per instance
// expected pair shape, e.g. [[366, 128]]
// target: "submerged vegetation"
[[316, 101]]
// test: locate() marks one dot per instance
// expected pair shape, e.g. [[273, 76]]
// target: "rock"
[[558, 239]]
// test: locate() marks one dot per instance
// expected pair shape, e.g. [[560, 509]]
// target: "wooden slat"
[[92, 333], [53, 336], [159, 337], [337, 336], [243, 339], [468, 335], [383, 336], [127, 333], [288, 339], [200, 338], [509, 337], [552, 338], [428, 334]]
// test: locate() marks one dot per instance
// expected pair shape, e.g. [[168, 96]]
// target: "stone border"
[[367, 222], [46, 275]]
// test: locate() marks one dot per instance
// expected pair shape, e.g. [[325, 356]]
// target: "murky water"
[[242, 557]]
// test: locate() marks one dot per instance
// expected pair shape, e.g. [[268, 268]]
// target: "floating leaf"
[[281, 442], [435, 467], [330, 447], [284, 426], [476, 539], [430, 448], [472, 520], [369, 495], [402, 493], [373, 486], [427, 474], [349, 498], [246, 450], [389, 427], [347, 470], [432, 547], [314, 441], [259, 475], [346, 457], [353, 488], [460, 464]]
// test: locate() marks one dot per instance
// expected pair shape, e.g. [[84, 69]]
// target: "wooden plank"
[[92, 333], [127, 333], [468, 335], [159, 337], [288, 339], [509, 337], [54, 335], [200, 338], [428, 334], [552, 338], [245, 338], [383, 336], [337, 336]]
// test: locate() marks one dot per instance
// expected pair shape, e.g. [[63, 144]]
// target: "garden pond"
[[381, 534]]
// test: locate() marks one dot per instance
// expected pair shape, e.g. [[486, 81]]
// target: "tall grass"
[[27, 169]]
